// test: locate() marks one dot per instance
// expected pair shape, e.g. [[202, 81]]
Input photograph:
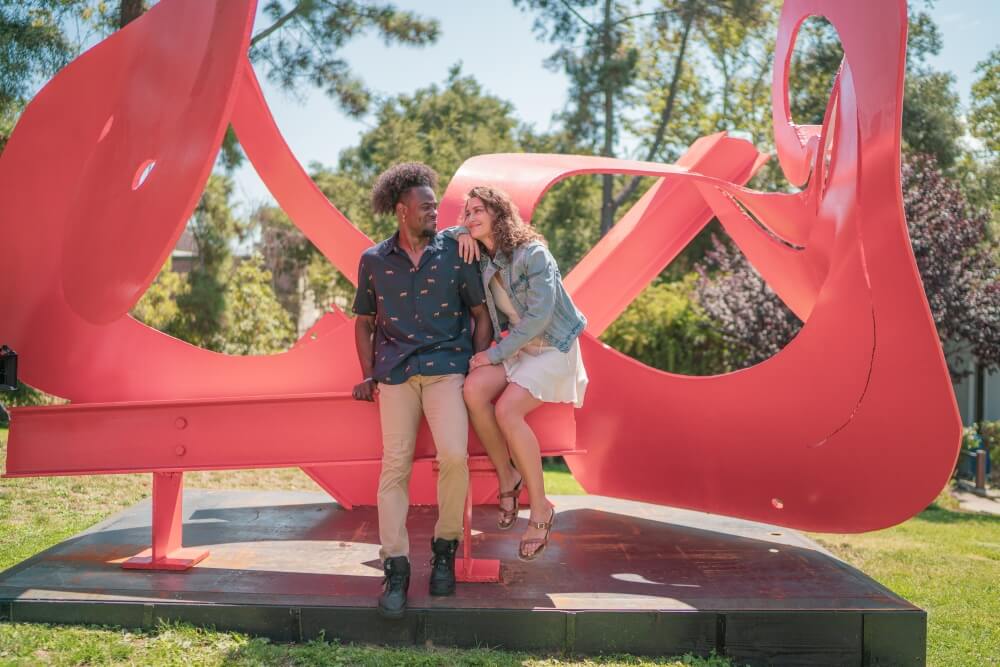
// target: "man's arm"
[[483, 334], [364, 341], [364, 331]]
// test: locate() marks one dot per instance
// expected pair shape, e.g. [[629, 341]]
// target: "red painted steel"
[[853, 426], [167, 552]]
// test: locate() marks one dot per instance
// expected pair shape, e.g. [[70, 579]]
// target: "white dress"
[[547, 373]]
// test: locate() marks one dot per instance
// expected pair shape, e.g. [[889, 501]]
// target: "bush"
[[989, 431], [26, 395], [665, 329], [987, 434]]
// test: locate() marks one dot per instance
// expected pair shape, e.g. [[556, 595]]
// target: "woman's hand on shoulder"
[[468, 248]]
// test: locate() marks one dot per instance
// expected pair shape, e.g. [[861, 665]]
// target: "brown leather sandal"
[[508, 517], [542, 541]]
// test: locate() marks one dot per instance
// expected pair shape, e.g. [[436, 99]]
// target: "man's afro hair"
[[396, 180]]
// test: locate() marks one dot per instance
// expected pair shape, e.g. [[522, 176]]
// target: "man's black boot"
[[443, 566], [392, 602]]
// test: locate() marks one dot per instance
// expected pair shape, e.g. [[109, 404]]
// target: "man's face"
[[418, 211]]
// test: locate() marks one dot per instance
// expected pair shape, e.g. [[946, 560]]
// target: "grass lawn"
[[943, 560], [947, 562]]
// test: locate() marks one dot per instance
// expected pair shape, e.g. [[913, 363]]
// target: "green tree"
[[439, 125], [158, 307], [984, 111], [444, 126], [32, 46], [303, 43], [616, 56], [255, 321], [666, 329], [931, 118], [203, 304], [980, 169], [301, 47], [285, 251]]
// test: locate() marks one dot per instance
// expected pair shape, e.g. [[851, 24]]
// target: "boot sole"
[[391, 615], [438, 592]]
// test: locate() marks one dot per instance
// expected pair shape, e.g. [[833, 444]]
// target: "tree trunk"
[[607, 193], [130, 10]]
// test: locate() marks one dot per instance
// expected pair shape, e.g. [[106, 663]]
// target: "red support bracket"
[[167, 552], [467, 568]]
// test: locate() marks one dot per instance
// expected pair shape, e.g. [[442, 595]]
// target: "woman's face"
[[478, 219]]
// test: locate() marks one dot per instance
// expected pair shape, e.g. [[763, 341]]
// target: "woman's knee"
[[475, 392], [508, 414]]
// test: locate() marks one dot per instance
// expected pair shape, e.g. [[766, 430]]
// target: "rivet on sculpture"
[[93, 201]]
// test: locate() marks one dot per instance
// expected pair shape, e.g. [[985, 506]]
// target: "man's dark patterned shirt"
[[422, 320]]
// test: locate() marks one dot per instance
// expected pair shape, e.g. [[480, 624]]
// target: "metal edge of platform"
[[843, 637]]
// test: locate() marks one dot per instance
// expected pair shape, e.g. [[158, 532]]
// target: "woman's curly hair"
[[396, 180], [509, 230]]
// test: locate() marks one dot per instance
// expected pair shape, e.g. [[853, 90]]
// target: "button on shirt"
[[422, 320]]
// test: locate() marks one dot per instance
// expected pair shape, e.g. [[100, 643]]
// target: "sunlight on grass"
[[946, 562]]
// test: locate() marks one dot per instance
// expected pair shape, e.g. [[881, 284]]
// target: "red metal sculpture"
[[93, 202]]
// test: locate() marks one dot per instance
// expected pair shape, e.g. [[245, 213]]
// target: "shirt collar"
[[436, 244]]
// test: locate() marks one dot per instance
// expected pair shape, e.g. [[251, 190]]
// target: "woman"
[[537, 362]]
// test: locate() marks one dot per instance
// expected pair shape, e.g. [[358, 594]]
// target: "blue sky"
[[495, 43]]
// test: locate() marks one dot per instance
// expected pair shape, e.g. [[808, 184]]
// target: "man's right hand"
[[365, 391]]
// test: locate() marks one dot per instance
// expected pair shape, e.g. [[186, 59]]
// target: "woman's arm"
[[455, 232], [542, 277], [468, 247]]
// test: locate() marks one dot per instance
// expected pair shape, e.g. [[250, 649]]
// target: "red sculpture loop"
[[853, 426]]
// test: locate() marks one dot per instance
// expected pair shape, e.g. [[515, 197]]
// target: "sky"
[[495, 43]]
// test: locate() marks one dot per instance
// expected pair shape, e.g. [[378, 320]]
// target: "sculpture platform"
[[619, 576]]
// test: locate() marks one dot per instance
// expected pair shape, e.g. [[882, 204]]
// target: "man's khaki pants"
[[439, 398]]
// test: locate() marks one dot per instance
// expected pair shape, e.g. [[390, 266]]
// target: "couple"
[[417, 293]]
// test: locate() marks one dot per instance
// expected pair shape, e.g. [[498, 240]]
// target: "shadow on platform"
[[618, 576]]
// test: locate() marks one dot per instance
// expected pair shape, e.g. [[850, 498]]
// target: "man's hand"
[[479, 359], [366, 391], [468, 248]]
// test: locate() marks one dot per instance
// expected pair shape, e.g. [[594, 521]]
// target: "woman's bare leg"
[[481, 387], [513, 406]]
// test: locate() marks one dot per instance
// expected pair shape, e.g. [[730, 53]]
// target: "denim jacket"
[[532, 280]]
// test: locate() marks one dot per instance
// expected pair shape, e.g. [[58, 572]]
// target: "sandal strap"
[[544, 525], [514, 492], [535, 540]]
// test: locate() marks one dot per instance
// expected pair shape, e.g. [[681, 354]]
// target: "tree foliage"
[[980, 167], [931, 106], [203, 304], [956, 261], [664, 328], [303, 44], [441, 126], [618, 57], [255, 321], [32, 46]]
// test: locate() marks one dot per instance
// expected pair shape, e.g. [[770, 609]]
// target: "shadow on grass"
[[935, 513]]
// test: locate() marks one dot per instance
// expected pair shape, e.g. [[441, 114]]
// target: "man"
[[414, 341]]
